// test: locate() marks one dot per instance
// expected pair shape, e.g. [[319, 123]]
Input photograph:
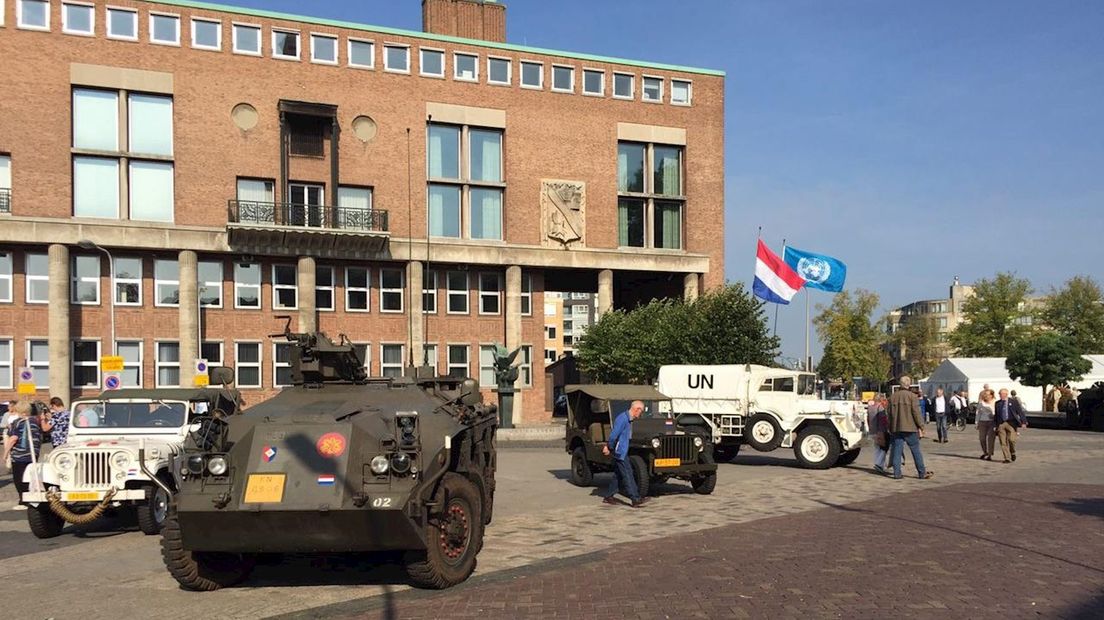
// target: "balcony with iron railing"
[[5, 200], [295, 227]]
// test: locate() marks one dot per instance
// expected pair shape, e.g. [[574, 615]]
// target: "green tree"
[[724, 326], [1047, 358], [990, 327], [852, 340], [918, 340], [1077, 311]]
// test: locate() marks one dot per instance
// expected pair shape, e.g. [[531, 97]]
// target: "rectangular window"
[[247, 364], [86, 364], [362, 54], [285, 288], [525, 365], [128, 281], [247, 285], [323, 49], [479, 190], [38, 359], [168, 364], [164, 29], [151, 191], [6, 270], [667, 170], [457, 284], [6, 364], [630, 167], [396, 58], [212, 352], [458, 361], [432, 62], [526, 294], [281, 364], [443, 152], [122, 24], [486, 365], [256, 190], [391, 360], [630, 222], [78, 18], [444, 211], [550, 332], [653, 89], [465, 67], [95, 119], [210, 283], [490, 293], [594, 82], [391, 290], [96, 187], [499, 71], [563, 79], [667, 225], [486, 213], [37, 270], [532, 75], [681, 92], [85, 286], [429, 292], [324, 288], [166, 283], [651, 214], [485, 154], [206, 34], [356, 289], [285, 44], [349, 197], [150, 124], [33, 14], [247, 39], [429, 357], [131, 352], [623, 85]]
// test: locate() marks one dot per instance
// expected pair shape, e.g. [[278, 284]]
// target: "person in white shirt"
[[941, 405]]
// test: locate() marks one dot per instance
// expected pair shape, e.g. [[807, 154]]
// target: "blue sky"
[[916, 141]]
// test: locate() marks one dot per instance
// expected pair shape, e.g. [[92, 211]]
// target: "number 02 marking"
[[381, 502]]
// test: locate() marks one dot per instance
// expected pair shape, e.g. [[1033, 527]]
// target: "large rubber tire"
[[153, 512], [200, 570], [762, 433], [44, 523], [817, 447], [846, 458], [581, 474], [726, 452], [704, 485], [454, 535], [641, 474]]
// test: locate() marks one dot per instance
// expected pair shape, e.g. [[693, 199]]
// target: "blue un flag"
[[819, 270]]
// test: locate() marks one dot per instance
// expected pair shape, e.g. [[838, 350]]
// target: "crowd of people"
[[26, 427], [900, 420]]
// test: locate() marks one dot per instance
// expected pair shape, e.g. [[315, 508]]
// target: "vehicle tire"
[[817, 447], [153, 511], [640, 473], [200, 570], [44, 523], [846, 458], [581, 475], [960, 423], [704, 484], [762, 433], [726, 452], [454, 534]]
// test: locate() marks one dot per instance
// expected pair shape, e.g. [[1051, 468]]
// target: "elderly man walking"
[[907, 427], [618, 448]]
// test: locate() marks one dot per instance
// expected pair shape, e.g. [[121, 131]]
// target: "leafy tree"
[[851, 339], [724, 326], [1047, 358], [990, 327], [918, 340], [1077, 311]]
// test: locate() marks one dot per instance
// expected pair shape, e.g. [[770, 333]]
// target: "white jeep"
[[766, 408], [99, 468]]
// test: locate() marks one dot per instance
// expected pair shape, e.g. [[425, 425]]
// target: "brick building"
[[416, 191]]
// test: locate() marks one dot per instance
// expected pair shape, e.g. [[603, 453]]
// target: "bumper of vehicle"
[[84, 497], [684, 470]]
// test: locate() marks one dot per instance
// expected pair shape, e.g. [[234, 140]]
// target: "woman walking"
[[22, 446], [985, 411]]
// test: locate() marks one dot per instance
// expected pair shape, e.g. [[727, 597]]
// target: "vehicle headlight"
[[400, 463], [379, 465], [655, 442], [120, 460], [64, 461], [217, 465], [195, 464], [697, 442]]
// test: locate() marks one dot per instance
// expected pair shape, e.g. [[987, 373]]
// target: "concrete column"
[[690, 287], [188, 315], [513, 328], [416, 338], [605, 292], [58, 322], [308, 312]]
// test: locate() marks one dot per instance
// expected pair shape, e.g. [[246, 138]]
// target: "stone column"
[[690, 286], [308, 312], [416, 338], [188, 316], [513, 329], [605, 292], [58, 323]]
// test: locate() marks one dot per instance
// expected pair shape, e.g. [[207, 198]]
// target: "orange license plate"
[[667, 462], [265, 489], [81, 496]]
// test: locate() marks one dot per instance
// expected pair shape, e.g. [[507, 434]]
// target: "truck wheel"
[[817, 447], [762, 433], [454, 535], [153, 511], [848, 457], [640, 473], [44, 523], [726, 452], [200, 570], [704, 484], [581, 475]]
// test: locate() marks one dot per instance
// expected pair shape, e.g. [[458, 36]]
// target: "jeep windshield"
[[652, 408], [157, 414]]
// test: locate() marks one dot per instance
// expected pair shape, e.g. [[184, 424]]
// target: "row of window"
[[248, 362], [79, 18]]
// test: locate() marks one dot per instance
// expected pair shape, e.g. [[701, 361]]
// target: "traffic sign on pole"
[[112, 381], [201, 378], [26, 374]]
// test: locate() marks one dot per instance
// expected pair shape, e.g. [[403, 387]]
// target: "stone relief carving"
[[563, 213]]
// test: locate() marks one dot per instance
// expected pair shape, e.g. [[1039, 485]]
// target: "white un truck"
[[766, 408]]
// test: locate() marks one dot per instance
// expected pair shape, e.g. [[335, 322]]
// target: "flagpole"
[[808, 362], [777, 305]]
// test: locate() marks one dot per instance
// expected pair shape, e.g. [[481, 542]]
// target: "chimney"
[[468, 19]]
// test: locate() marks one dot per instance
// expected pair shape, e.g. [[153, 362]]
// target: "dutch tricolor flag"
[[775, 281]]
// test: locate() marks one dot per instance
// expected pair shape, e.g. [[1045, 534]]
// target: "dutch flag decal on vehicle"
[[326, 480]]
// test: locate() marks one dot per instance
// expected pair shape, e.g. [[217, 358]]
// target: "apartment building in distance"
[[567, 316], [175, 176]]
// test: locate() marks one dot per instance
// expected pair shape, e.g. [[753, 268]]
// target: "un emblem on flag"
[[814, 269]]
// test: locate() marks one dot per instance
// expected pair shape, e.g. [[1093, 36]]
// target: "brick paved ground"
[[934, 553]]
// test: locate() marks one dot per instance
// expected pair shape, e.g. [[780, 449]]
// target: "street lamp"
[[86, 244]]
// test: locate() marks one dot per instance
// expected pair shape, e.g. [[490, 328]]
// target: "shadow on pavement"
[[1090, 506], [756, 460], [1092, 609], [296, 570]]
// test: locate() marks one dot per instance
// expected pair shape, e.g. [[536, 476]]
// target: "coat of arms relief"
[[563, 213]]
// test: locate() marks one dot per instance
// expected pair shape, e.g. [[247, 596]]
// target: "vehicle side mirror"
[[469, 393], [222, 375]]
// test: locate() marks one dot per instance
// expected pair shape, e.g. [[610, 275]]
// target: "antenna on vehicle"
[[425, 270], [410, 253]]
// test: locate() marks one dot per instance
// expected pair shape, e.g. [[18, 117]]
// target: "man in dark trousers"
[[618, 447], [906, 426], [1008, 417]]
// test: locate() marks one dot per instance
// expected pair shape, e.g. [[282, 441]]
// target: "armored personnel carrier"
[[339, 462]]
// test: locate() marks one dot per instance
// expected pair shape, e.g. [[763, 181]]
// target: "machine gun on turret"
[[315, 359]]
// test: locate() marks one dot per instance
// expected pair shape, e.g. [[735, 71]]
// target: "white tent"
[[972, 373]]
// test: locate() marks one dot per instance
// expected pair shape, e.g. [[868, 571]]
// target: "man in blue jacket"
[[618, 447]]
